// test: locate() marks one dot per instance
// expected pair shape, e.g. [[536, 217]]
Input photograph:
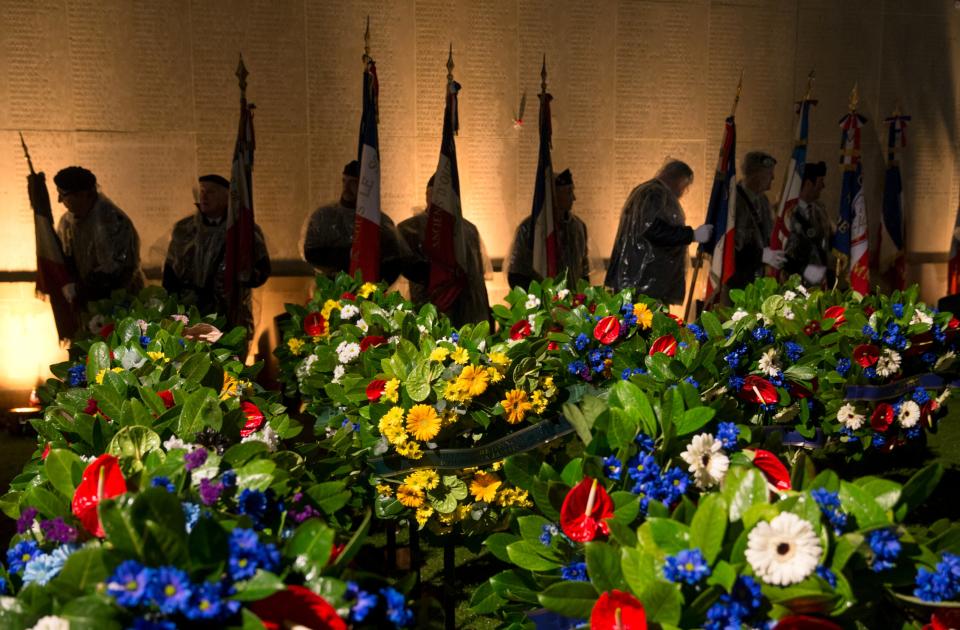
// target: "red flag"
[[365, 249]]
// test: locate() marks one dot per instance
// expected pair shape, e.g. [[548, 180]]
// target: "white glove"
[[69, 292], [774, 257], [703, 233], [813, 274]]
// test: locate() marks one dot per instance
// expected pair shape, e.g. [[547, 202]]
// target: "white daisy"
[[51, 622], [768, 363], [393, 340], [803, 290], [338, 373], [706, 460], [784, 551], [909, 414], [532, 302], [347, 351], [738, 315], [789, 295], [348, 311], [889, 363], [919, 317], [848, 417]]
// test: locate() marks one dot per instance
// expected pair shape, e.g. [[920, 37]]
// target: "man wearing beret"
[[98, 237], [329, 237], [571, 234], [808, 246], [754, 221], [195, 265]]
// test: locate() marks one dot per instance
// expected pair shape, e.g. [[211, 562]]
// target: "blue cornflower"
[[455, 337], [576, 367], [595, 357], [735, 608], [364, 602], [920, 396], [897, 310], [163, 482], [645, 442], [691, 380], [129, 583], [929, 358], [879, 440], [687, 566], [938, 333], [727, 433], [827, 575], [699, 333], [22, 553], [777, 379], [639, 370], [253, 503], [547, 532], [353, 426], [191, 514], [575, 572], [229, 479], [142, 623], [885, 545], [247, 554], [913, 433], [942, 584], [77, 376], [735, 383], [170, 590], [612, 467], [870, 332], [145, 341], [870, 372], [626, 374], [794, 350], [732, 359], [761, 334], [397, 611], [673, 485], [830, 506], [843, 366], [206, 601], [643, 467]]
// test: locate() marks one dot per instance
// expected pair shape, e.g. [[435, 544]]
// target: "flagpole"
[[698, 261]]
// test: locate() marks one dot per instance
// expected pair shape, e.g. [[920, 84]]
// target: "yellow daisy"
[[409, 496], [99, 377], [158, 356], [460, 355], [499, 358], [484, 486], [391, 426], [539, 401], [439, 354], [366, 289], [390, 390], [384, 489], [494, 374], [424, 514], [514, 497], [644, 315], [423, 423], [474, 380], [423, 479], [516, 405], [410, 450], [296, 346]]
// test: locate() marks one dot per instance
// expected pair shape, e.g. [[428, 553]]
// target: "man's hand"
[[703, 233], [774, 257], [69, 292]]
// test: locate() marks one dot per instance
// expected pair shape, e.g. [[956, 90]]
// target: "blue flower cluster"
[[612, 467], [259, 506], [575, 572], [169, 590], [699, 333], [43, 567], [581, 342], [363, 602], [897, 310], [163, 482], [885, 545], [893, 336], [762, 335], [829, 503], [920, 396], [736, 355], [794, 350], [687, 566], [397, 611], [628, 372], [843, 366], [145, 341], [942, 584], [247, 554], [727, 433], [629, 319], [77, 376], [868, 331], [827, 575], [736, 607], [547, 532]]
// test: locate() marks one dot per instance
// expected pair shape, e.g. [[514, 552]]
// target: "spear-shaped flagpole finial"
[[810, 79], [543, 75], [736, 99], [854, 97], [242, 77], [450, 64], [26, 152], [366, 42]]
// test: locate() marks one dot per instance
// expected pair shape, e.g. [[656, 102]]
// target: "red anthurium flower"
[[520, 330], [371, 340], [107, 329], [944, 619], [758, 390], [799, 391], [666, 344], [676, 318], [772, 468], [46, 451], [836, 314], [101, 480], [254, 418], [167, 397], [314, 325], [805, 622], [882, 417], [585, 510], [375, 389], [953, 323], [346, 295], [297, 606], [866, 355], [607, 330], [926, 414], [616, 610]]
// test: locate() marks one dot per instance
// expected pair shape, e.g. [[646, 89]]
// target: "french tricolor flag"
[[365, 250], [722, 212]]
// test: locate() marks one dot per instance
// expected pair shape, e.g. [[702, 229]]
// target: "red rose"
[[665, 344], [607, 330], [866, 355], [585, 511], [254, 418], [297, 606], [46, 451], [314, 325], [772, 468], [882, 417], [836, 314], [805, 622], [758, 390], [616, 610], [346, 295], [375, 389], [107, 329], [520, 330], [102, 479], [167, 397], [371, 340]]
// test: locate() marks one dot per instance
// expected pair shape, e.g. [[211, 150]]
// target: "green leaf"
[[637, 567], [329, 496], [693, 419], [531, 556], [64, 469], [885, 492], [418, 382], [485, 600], [662, 602], [723, 575], [98, 358], [46, 502], [521, 470], [310, 546], [603, 566], [712, 325], [709, 526], [579, 421], [531, 527], [920, 486], [92, 612], [134, 442], [239, 454], [635, 405], [515, 586], [257, 475], [120, 528], [570, 599], [863, 507], [742, 488], [572, 473], [201, 409], [497, 545], [668, 535], [262, 584], [84, 569], [195, 368]]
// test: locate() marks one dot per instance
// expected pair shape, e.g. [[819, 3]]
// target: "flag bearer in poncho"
[[650, 252], [811, 230], [754, 221], [98, 237]]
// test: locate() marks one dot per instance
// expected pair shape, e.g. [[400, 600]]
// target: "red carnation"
[[346, 295], [314, 325], [666, 344], [375, 389], [882, 417], [102, 479], [371, 340], [107, 329], [805, 622], [758, 390], [520, 330], [254, 418], [585, 511], [167, 397], [836, 314], [616, 610], [772, 468], [297, 606], [607, 330], [866, 355]]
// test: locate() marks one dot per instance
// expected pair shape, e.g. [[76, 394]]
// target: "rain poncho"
[[329, 236], [575, 259], [195, 266], [472, 305], [105, 250], [753, 227], [809, 242], [635, 262]]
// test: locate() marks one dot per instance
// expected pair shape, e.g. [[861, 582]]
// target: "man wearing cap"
[[571, 235], [472, 305], [329, 237], [195, 264], [754, 222], [98, 237], [650, 252], [808, 246]]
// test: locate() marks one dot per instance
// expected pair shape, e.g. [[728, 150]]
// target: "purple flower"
[[195, 459], [25, 522], [210, 491], [307, 512], [56, 530]]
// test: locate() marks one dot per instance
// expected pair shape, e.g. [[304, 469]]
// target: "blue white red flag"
[[851, 240], [722, 212], [365, 248], [793, 179]]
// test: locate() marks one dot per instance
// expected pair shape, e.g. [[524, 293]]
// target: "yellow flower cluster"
[[102, 373], [158, 356], [327, 310], [472, 381], [423, 423], [366, 289], [409, 496], [439, 354], [516, 405], [390, 390], [384, 490], [514, 497], [644, 315], [499, 359], [460, 355], [423, 515], [391, 426], [296, 346], [426, 479], [232, 386]]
